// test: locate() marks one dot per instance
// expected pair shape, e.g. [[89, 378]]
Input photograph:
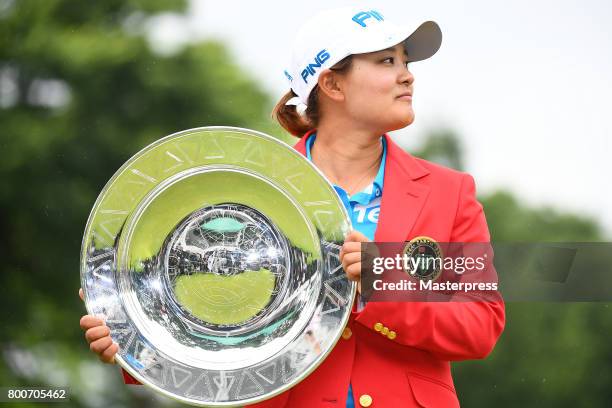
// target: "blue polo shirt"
[[363, 207]]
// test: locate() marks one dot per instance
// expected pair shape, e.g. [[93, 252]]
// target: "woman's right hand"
[[98, 336]]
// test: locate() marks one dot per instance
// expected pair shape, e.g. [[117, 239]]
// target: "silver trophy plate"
[[212, 255]]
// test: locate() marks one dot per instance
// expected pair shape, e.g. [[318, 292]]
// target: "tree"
[[443, 146], [80, 92]]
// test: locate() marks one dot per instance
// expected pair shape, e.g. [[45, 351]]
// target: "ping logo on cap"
[[289, 77], [362, 16], [320, 58]]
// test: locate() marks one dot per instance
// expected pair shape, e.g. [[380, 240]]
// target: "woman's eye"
[[391, 60]]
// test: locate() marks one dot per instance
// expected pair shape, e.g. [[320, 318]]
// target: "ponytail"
[[295, 123], [298, 124]]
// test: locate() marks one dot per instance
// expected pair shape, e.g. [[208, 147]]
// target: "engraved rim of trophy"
[[212, 255]]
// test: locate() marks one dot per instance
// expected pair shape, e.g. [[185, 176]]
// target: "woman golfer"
[[350, 85]]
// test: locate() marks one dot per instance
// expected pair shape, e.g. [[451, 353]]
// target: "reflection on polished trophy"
[[212, 255]]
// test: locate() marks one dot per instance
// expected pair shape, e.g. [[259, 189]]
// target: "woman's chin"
[[409, 119], [402, 121]]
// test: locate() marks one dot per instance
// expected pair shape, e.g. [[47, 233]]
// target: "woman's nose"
[[405, 76]]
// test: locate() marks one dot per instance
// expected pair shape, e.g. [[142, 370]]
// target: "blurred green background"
[[81, 91]]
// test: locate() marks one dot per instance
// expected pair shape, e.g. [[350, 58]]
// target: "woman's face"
[[378, 89]]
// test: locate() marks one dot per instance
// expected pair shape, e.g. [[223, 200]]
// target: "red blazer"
[[413, 368]]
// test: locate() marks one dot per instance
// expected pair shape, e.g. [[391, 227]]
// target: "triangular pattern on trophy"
[[224, 383], [323, 218], [187, 150], [200, 389], [290, 364], [104, 226], [99, 273], [247, 386], [332, 299], [179, 376], [338, 286], [155, 372], [213, 149], [331, 246], [132, 195], [333, 283], [255, 156], [144, 354], [333, 266], [295, 181], [281, 167], [330, 304], [268, 372], [287, 368], [239, 146], [290, 164], [99, 240], [141, 178], [299, 357], [123, 196], [153, 364], [170, 161], [332, 258]]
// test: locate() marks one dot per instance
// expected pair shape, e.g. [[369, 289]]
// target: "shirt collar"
[[373, 190]]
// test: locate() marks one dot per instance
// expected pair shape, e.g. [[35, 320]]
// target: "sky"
[[526, 84]]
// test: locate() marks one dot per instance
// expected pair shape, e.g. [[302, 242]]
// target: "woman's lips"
[[405, 97]]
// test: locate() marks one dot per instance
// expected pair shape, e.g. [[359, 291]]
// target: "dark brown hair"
[[291, 119]]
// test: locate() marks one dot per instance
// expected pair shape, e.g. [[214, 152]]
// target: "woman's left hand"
[[350, 256]]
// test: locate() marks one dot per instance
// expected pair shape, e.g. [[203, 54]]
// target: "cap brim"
[[424, 42]]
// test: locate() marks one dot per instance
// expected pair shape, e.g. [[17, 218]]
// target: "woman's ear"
[[330, 84]]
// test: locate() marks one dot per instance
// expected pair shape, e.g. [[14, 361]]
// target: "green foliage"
[[81, 92], [511, 221], [443, 146]]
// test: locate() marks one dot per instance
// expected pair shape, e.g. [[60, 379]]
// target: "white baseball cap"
[[335, 34]]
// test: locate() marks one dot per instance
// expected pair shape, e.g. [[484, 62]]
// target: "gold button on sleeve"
[[347, 333], [391, 335], [378, 327], [365, 400], [384, 330]]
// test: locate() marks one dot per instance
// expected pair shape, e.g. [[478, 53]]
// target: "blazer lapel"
[[403, 198]]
